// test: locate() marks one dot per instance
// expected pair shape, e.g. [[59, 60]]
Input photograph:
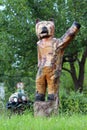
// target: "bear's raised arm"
[[69, 35]]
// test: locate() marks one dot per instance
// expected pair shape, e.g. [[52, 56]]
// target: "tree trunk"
[[78, 80], [78, 84]]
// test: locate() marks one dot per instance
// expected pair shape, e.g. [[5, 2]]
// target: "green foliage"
[[73, 103]]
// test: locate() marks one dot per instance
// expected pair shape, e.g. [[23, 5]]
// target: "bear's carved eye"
[[50, 53]]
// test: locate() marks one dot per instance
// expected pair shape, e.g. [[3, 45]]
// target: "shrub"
[[74, 102]]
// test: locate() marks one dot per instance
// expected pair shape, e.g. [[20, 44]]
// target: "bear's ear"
[[37, 20], [51, 19]]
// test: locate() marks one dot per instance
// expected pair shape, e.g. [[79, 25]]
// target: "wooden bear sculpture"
[[50, 55]]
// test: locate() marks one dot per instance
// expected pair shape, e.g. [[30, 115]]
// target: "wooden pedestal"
[[46, 108]]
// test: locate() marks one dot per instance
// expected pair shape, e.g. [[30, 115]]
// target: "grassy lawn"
[[28, 122]]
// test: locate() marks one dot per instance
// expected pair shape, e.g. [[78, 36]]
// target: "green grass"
[[28, 122]]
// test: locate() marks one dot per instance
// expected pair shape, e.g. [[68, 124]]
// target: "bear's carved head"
[[45, 29]]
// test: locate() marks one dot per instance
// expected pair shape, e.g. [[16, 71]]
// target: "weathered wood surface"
[[46, 108]]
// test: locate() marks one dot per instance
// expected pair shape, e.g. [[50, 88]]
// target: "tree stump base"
[[46, 108]]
